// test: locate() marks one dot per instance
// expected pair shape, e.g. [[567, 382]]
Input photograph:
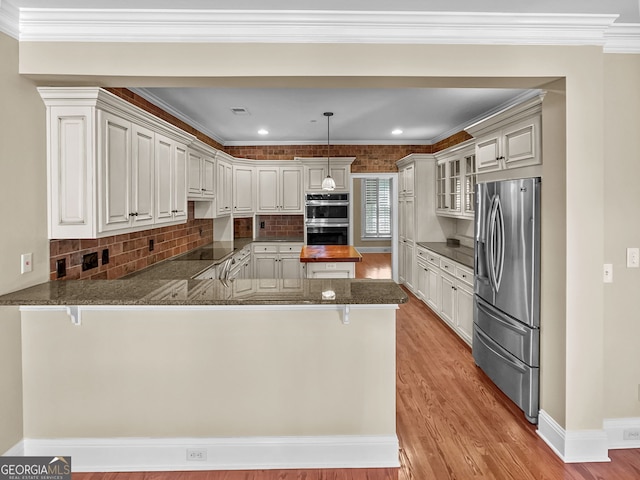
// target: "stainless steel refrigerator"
[[506, 329]]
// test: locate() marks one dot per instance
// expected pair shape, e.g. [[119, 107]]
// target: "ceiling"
[[294, 115]]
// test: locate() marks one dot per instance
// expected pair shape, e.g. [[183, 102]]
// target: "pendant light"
[[328, 183]]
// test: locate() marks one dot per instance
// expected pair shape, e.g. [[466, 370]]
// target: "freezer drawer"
[[517, 338], [516, 379]]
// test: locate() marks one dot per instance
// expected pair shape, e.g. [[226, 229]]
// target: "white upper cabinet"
[[201, 168], [103, 158], [243, 190], [279, 189], [455, 181], [511, 138], [224, 184], [406, 180], [315, 171], [171, 180]]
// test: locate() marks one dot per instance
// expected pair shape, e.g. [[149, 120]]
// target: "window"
[[376, 207]]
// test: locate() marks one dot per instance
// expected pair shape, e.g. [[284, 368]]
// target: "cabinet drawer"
[[448, 266], [265, 248], [464, 274], [290, 248], [421, 254], [433, 259]]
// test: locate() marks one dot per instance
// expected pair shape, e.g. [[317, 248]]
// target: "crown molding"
[[622, 38], [297, 26], [9, 19]]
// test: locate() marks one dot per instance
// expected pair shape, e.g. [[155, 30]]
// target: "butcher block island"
[[330, 261]]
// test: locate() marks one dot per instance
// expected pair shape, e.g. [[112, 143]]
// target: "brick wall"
[[280, 226], [129, 252], [243, 228]]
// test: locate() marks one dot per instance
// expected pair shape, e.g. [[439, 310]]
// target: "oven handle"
[[325, 225], [326, 203]]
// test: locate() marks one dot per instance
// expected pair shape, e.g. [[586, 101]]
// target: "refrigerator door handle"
[[491, 254], [501, 246]]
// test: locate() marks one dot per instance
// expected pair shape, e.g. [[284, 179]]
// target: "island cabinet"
[[510, 138], [330, 261], [279, 188], [112, 167], [201, 168]]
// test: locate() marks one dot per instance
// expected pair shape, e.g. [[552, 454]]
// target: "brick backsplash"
[[243, 228], [129, 252], [280, 225]]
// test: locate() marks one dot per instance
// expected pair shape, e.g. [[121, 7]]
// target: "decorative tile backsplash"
[[129, 252]]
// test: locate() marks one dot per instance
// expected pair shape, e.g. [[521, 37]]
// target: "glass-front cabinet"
[[455, 181]]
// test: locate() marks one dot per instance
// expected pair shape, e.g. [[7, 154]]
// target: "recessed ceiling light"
[[262, 131], [397, 131]]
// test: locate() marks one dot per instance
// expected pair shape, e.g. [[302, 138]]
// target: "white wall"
[[24, 206]]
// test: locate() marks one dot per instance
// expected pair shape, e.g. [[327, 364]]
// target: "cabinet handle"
[[203, 189], [133, 214], [500, 158]]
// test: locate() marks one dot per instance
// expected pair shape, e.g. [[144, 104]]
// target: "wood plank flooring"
[[452, 422]]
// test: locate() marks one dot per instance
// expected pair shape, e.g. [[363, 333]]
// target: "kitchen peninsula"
[[154, 367], [330, 261]]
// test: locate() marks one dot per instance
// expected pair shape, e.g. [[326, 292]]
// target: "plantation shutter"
[[377, 208]]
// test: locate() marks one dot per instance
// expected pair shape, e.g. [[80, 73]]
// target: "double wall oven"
[[327, 218]]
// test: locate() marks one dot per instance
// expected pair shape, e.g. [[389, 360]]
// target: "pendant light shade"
[[328, 183]]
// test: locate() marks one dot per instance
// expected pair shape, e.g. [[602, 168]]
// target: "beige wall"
[[581, 255], [209, 374], [23, 193], [622, 230]]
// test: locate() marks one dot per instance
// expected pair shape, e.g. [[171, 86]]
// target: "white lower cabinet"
[[276, 261], [330, 269], [447, 288]]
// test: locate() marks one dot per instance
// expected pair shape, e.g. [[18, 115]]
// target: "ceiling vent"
[[240, 111]]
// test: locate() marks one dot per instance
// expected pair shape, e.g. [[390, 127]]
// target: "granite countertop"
[[459, 253], [170, 283], [136, 291]]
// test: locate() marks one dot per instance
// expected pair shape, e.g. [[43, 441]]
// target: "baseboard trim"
[[249, 453], [362, 249], [615, 428], [16, 451], [573, 446]]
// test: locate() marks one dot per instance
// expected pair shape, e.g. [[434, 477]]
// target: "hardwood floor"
[[452, 422], [374, 265]]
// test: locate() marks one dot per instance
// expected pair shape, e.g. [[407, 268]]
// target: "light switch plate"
[[633, 257], [608, 273]]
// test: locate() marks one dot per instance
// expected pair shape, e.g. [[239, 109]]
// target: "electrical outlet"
[[196, 454], [607, 274], [633, 257], [631, 434]]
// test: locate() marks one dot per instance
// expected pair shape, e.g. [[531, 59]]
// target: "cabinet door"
[[448, 300], [340, 175], [432, 290], [464, 312], [407, 180], [194, 175], [208, 172], [488, 152], [402, 264], [116, 172], [164, 178], [224, 173], [409, 260], [179, 186], [441, 186], [291, 189], [522, 143], [142, 173], [314, 174], [469, 186], [265, 266], [409, 218], [422, 281], [455, 186], [243, 189], [290, 266], [268, 191]]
